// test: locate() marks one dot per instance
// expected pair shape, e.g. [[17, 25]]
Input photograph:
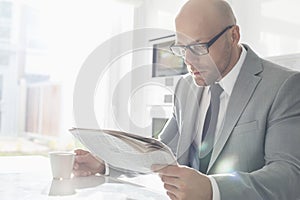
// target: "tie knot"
[[216, 90]]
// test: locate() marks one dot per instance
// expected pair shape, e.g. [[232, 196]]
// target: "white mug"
[[61, 164]]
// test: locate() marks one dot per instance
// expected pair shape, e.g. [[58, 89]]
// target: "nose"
[[189, 57]]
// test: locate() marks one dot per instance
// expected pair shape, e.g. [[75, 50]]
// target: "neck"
[[235, 55]]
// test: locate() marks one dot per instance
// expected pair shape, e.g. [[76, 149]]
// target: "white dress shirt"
[[227, 83]]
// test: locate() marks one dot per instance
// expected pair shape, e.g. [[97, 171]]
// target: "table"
[[29, 178]]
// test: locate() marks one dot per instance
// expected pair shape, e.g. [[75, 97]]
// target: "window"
[[5, 9], [51, 41], [4, 58]]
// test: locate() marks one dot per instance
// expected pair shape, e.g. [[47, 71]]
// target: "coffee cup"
[[61, 164]]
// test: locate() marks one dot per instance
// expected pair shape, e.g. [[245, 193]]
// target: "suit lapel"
[[242, 92]]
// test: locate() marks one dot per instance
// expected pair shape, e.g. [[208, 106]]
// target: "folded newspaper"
[[125, 150]]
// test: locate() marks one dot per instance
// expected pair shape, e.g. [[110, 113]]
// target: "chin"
[[199, 82]]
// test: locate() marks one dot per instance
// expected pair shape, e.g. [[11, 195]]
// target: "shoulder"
[[185, 85], [186, 91], [276, 69], [265, 68], [279, 75], [272, 75]]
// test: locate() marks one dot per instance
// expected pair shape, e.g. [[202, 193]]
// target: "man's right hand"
[[86, 164]]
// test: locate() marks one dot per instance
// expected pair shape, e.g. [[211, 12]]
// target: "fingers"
[[173, 192], [182, 182], [167, 170], [157, 167], [76, 166], [170, 188], [81, 173], [86, 164], [81, 170], [82, 158], [80, 152], [172, 196], [174, 181], [79, 167], [175, 188]]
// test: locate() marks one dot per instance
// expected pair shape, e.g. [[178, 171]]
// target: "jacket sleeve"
[[170, 133]]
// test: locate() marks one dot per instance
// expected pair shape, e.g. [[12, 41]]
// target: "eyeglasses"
[[198, 49]]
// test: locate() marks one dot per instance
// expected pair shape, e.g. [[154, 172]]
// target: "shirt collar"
[[227, 82]]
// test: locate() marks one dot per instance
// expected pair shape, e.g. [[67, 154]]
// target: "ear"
[[235, 34]]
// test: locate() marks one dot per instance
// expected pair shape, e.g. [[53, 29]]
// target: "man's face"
[[205, 69]]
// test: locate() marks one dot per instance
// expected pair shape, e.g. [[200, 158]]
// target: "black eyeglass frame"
[[206, 44]]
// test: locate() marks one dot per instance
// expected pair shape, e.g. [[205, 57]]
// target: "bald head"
[[224, 12], [208, 22], [207, 15]]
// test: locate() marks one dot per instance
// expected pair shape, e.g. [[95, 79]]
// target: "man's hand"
[[86, 164], [182, 182]]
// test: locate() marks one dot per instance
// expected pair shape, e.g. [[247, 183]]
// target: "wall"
[[270, 27], [147, 94], [157, 13]]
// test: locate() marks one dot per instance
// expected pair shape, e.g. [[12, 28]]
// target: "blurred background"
[[43, 45]]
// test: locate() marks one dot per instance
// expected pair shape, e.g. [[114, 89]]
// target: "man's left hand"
[[182, 182]]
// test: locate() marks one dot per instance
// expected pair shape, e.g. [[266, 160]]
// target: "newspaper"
[[125, 150]]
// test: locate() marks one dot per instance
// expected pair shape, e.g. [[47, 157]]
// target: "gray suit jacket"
[[257, 155]]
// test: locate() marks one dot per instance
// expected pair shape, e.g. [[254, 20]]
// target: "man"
[[253, 151]]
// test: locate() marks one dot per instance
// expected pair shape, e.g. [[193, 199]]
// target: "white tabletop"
[[29, 178]]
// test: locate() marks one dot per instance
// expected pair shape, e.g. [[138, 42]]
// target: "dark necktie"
[[209, 128]]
